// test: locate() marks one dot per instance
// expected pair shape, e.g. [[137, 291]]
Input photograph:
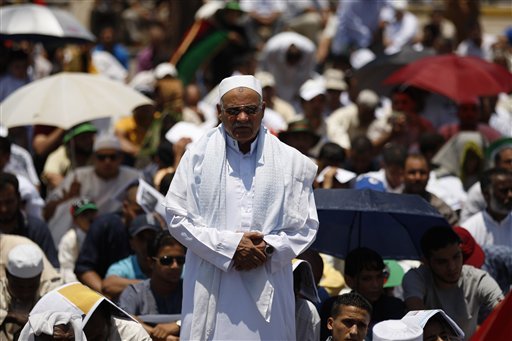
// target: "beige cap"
[[25, 261], [368, 98], [233, 82]]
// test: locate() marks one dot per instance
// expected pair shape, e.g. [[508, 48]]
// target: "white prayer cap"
[[396, 330], [361, 57], [312, 88], [164, 70], [399, 5], [106, 141], [368, 98], [265, 78], [25, 261], [243, 81]]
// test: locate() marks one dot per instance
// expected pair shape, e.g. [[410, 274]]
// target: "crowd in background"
[[76, 193]]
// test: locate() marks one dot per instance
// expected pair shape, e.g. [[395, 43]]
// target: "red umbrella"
[[456, 77], [497, 325]]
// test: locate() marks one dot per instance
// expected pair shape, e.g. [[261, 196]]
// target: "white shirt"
[[400, 33], [488, 231]]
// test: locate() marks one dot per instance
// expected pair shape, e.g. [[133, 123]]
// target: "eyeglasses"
[[169, 260], [248, 109], [103, 157]]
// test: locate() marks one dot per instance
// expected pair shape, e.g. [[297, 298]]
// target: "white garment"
[[33, 203], [20, 163], [105, 193], [401, 33], [69, 248], [488, 231], [307, 320], [43, 323], [448, 188], [288, 78], [233, 304], [474, 203], [501, 119]]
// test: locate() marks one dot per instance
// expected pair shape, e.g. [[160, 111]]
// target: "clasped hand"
[[250, 252]]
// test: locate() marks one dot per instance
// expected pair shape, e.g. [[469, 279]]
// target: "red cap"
[[471, 251]]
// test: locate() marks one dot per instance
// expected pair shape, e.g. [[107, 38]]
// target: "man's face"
[[173, 257], [500, 194], [402, 102], [369, 283], [446, 264], [505, 159], [313, 110], [241, 112], [468, 114], [24, 289], [415, 176], [107, 163], [437, 331], [350, 324], [9, 204], [394, 175]]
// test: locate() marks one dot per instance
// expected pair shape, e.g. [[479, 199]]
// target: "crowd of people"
[[199, 208]]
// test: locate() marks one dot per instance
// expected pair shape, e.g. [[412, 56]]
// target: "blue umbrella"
[[391, 224]]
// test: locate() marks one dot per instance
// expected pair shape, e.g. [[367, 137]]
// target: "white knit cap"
[[396, 330], [233, 82], [25, 261]]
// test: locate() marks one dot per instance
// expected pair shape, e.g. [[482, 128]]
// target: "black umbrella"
[[391, 224], [375, 72]]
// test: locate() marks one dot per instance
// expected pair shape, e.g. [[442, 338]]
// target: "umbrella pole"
[[72, 155]]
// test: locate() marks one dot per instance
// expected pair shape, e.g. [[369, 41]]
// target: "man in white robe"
[[242, 203]]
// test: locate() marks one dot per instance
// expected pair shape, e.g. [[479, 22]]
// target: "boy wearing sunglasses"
[[162, 293]]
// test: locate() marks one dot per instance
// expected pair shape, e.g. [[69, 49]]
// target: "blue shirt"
[[128, 268]]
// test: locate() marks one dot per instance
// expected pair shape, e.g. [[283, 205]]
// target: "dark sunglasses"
[[169, 260], [103, 157], [248, 109]]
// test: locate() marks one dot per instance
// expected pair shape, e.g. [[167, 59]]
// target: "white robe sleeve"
[[290, 241], [214, 246]]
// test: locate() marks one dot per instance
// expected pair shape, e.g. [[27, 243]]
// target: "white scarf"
[[207, 207]]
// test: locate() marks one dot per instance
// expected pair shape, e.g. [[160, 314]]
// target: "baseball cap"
[[143, 222], [25, 261], [82, 205], [79, 129], [106, 141], [396, 273], [472, 253]]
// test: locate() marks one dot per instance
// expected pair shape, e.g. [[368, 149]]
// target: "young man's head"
[[437, 328], [496, 185], [503, 158], [167, 257], [442, 254], [393, 158], [350, 317], [83, 212], [364, 273], [107, 156]]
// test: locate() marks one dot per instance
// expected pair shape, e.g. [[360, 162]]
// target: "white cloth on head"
[[44, 322], [239, 81], [396, 330], [200, 216]]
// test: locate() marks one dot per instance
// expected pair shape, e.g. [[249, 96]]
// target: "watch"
[[269, 250]]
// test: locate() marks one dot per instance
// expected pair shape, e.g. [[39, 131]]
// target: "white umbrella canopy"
[[39, 23], [68, 98]]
